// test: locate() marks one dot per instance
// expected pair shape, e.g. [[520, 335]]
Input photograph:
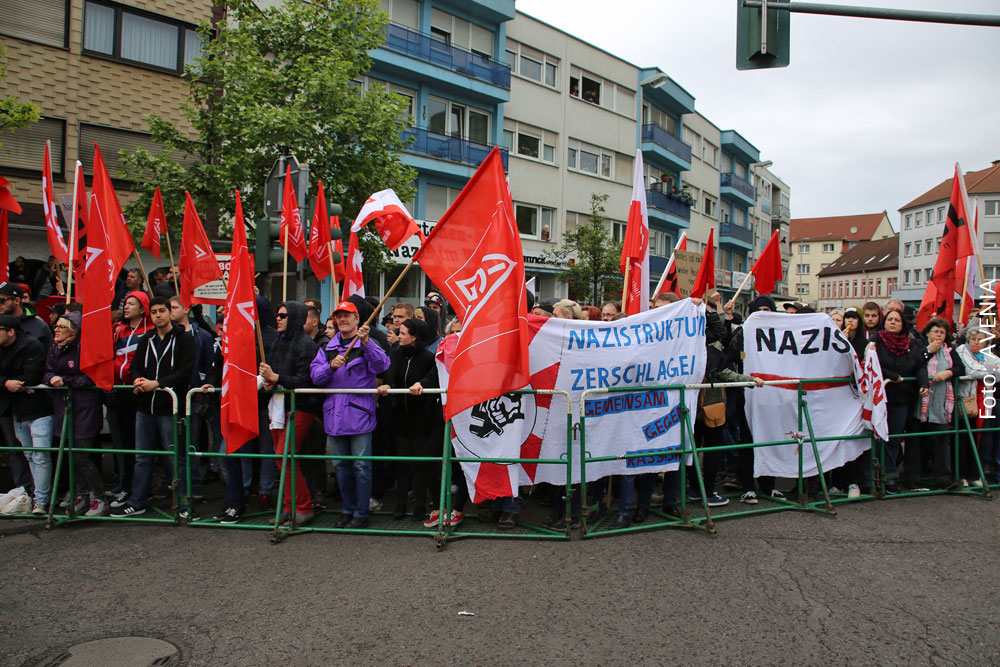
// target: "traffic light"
[[762, 41], [336, 234], [266, 250]]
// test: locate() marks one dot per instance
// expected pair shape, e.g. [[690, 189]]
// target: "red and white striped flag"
[[392, 221], [354, 282], [635, 250], [57, 243]]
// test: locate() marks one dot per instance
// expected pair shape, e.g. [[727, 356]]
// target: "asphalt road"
[[901, 582]]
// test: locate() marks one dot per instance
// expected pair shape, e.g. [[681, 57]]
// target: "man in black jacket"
[[11, 297], [164, 359], [22, 364]]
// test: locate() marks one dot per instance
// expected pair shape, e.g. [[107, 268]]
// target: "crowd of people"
[[159, 343]]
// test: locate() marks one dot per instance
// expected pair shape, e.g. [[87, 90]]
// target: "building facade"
[[866, 272]]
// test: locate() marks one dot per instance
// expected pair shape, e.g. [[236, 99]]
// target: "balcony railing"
[[421, 46], [765, 206], [781, 211], [449, 148], [658, 135], [737, 232], [729, 179], [669, 203]]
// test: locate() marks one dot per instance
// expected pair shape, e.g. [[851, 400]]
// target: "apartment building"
[[772, 214], [865, 272]]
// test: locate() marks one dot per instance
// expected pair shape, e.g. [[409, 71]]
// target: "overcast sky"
[[869, 115]]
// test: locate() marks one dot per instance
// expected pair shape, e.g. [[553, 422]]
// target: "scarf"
[[897, 343], [943, 354]]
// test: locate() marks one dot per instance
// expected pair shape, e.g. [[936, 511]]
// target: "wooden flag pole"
[[965, 292], [170, 253], [72, 245], [333, 277], [284, 269], [141, 267], [740, 289], [628, 267], [381, 303]]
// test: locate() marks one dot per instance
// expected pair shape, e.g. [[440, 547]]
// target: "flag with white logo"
[[197, 262], [354, 282]]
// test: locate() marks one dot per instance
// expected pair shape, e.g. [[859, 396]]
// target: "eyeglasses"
[[5, 299], [281, 316], [60, 326]]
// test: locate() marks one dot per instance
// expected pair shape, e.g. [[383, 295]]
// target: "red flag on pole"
[[354, 282], [239, 371], [635, 249], [338, 247], [197, 262], [474, 256], [57, 244], [955, 243], [78, 226], [767, 269], [966, 271], [99, 272], [7, 203], [122, 246], [156, 224], [705, 280], [291, 235], [668, 281], [392, 221], [319, 238]]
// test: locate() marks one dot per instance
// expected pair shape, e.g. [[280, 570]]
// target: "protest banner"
[[687, 263]]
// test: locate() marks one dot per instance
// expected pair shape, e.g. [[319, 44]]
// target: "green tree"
[[271, 82], [13, 114], [594, 270]]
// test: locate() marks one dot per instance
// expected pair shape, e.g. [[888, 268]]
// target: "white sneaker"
[[749, 498], [978, 483], [853, 491], [64, 503], [374, 505], [80, 504], [20, 505], [834, 490], [97, 508]]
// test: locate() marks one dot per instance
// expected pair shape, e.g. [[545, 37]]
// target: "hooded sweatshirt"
[[127, 338], [167, 360], [290, 355]]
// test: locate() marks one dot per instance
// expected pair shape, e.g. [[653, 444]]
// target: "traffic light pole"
[[872, 13]]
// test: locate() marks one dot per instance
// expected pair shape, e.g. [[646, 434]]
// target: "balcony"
[[668, 208], [765, 206], [782, 213], [403, 40], [452, 149], [664, 150], [736, 189], [733, 234]]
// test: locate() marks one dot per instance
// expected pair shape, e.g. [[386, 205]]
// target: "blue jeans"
[[150, 432], [38, 433], [238, 469], [508, 505], [353, 477], [268, 469]]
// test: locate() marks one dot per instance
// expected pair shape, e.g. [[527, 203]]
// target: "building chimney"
[[996, 163]]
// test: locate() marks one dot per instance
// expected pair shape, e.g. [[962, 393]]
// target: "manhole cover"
[[117, 651]]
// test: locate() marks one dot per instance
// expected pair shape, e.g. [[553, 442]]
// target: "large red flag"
[[197, 262], [474, 257], [354, 282], [767, 269], [57, 244], [392, 221], [78, 226], [239, 371], [966, 271], [635, 249], [319, 238], [955, 243], [705, 280], [7, 203], [291, 235], [156, 225], [122, 246], [99, 272]]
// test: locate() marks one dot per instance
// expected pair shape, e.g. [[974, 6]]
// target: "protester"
[[62, 369], [350, 362], [22, 366], [591, 313], [432, 335], [837, 315], [937, 403], [312, 328], [400, 313], [871, 316], [609, 310], [982, 366], [12, 303], [575, 311]]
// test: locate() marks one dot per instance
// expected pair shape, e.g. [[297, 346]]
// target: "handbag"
[[971, 404], [713, 414]]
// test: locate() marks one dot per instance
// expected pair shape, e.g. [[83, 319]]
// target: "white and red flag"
[[668, 281], [104, 195], [99, 273], [57, 243], [197, 262], [156, 225], [291, 235], [354, 282], [635, 249], [319, 238], [239, 417], [474, 257], [392, 221]]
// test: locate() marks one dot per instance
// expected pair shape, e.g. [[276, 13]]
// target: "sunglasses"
[[281, 316]]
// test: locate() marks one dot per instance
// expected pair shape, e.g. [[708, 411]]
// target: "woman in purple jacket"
[[349, 419]]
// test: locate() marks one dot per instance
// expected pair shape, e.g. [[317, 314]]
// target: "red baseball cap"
[[347, 306]]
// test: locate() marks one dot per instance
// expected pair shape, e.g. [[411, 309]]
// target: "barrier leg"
[[54, 497], [804, 408], [444, 500], [276, 534], [984, 490], [685, 513]]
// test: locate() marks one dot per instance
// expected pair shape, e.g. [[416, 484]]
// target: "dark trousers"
[[711, 461], [121, 423], [918, 449]]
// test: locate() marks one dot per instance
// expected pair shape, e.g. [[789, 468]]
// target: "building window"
[[457, 120], [112, 141], [532, 64], [929, 246], [906, 249], [991, 239], [917, 247], [906, 277], [147, 39], [41, 21], [930, 217], [802, 269], [919, 218], [24, 149], [854, 287], [803, 248], [801, 289], [593, 159], [941, 214], [929, 274], [710, 154], [711, 206], [531, 141], [584, 86], [908, 220], [533, 221], [827, 247], [991, 207], [878, 287]]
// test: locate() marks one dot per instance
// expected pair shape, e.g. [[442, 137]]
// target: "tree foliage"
[[594, 270], [13, 114], [271, 82]]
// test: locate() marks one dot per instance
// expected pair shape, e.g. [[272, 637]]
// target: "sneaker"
[[749, 498], [559, 523], [694, 495], [621, 521], [343, 521], [230, 515], [732, 484], [978, 483], [128, 511], [120, 499], [64, 503], [490, 515], [265, 502], [657, 497], [374, 505], [715, 500], [303, 518], [358, 523], [455, 519], [198, 497], [891, 489], [40, 508], [641, 515], [97, 508], [189, 515], [777, 494], [80, 504], [507, 521], [965, 483], [432, 520], [853, 491], [834, 491], [671, 509]]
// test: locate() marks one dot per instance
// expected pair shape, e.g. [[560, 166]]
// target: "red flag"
[[474, 256], [197, 262], [955, 243], [239, 370], [291, 235], [99, 272], [319, 238], [705, 280], [156, 225], [668, 280], [354, 282], [57, 244], [122, 246], [78, 227], [338, 247], [392, 221], [767, 269], [7, 203], [966, 272], [635, 249]]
